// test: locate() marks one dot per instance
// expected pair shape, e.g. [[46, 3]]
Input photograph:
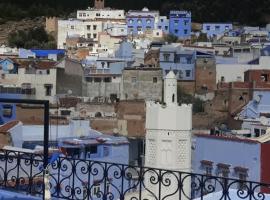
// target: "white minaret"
[[168, 137]]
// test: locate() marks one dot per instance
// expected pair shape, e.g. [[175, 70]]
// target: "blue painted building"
[[214, 29], [227, 156], [8, 110], [53, 54], [181, 61], [9, 66], [163, 24], [96, 147], [180, 24], [141, 21]]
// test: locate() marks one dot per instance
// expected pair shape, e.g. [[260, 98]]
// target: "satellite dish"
[[69, 92], [264, 121], [257, 99], [10, 66]]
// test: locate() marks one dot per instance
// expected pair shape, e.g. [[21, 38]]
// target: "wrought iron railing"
[[84, 179]]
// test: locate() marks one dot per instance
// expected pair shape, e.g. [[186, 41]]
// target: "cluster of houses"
[[118, 69]]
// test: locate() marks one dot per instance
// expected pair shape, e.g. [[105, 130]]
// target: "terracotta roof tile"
[[38, 64], [7, 126]]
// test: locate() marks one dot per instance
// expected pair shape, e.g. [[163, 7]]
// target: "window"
[[223, 170], [257, 132], [242, 174], [88, 79], [98, 14], [154, 79], [7, 111], [166, 27], [72, 27], [106, 151], [161, 20], [88, 35], [177, 58], [188, 73], [217, 28], [88, 27], [139, 21], [185, 31], [263, 131], [139, 28], [185, 22], [176, 31], [159, 27], [246, 50], [97, 80], [166, 57], [208, 28], [222, 79], [148, 28], [226, 27], [96, 189], [107, 79], [94, 27], [176, 22], [65, 112], [94, 35], [133, 79], [239, 78], [108, 186], [264, 77], [48, 71], [48, 89], [173, 98], [130, 21], [80, 14], [148, 21]]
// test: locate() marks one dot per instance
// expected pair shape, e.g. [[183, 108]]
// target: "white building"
[[168, 137], [93, 14], [85, 29], [230, 72], [115, 29], [38, 79]]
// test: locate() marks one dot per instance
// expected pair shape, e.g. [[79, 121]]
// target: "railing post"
[[46, 133]]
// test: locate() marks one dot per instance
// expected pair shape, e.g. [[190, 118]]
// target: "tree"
[[33, 38], [170, 38]]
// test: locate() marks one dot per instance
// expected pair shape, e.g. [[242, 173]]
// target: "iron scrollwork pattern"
[[94, 180]]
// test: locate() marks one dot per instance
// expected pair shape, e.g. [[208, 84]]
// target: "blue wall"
[[163, 24], [180, 24], [212, 29], [8, 66], [8, 106], [137, 23], [227, 151], [183, 63]]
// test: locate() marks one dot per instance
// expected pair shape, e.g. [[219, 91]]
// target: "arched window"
[[173, 97]]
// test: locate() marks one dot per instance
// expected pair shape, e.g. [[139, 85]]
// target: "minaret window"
[[173, 97]]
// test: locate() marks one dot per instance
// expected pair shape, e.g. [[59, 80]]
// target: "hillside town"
[[141, 106]]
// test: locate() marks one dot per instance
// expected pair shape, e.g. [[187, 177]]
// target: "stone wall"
[[70, 78], [142, 83], [98, 89], [131, 118], [205, 75]]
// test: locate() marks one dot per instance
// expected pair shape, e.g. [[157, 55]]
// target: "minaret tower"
[[168, 136], [99, 4]]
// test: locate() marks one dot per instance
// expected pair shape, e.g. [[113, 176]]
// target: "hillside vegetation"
[[250, 12]]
